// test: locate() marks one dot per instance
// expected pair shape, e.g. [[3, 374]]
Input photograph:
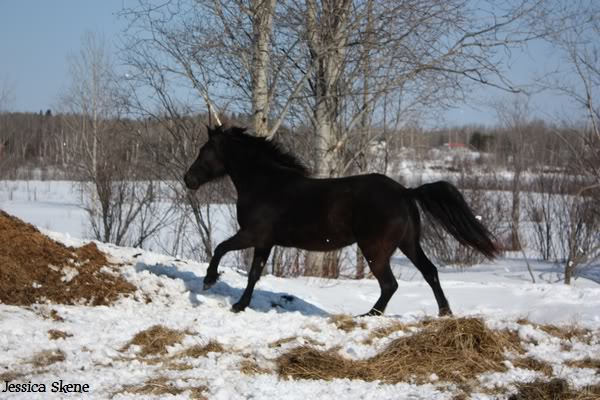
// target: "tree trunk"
[[569, 268], [327, 37], [365, 121], [262, 11], [516, 210]]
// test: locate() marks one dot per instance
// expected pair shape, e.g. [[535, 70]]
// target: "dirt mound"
[[35, 268]]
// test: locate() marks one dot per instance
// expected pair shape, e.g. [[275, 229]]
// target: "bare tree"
[[327, 64], [513, 116], [92, 95], [575, 28], [6, 98], [430, 51], [7, 95], [118, 203]]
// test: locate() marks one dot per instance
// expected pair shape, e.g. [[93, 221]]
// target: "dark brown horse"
[[280, 205]]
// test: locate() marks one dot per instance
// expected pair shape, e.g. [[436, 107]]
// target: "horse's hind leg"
[[261, 255], [378, 258], [415, 253]]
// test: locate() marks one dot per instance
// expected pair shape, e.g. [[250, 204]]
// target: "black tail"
[[446, 205]]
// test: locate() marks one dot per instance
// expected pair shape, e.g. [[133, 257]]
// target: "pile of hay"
[[346, 323], [155, 340], [200, 350], [555, 389], [161, 386], [35, 269], [456, 350]]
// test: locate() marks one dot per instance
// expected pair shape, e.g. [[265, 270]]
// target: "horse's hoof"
[[208, 283], [237, 307], [372, 313], [445, 312]]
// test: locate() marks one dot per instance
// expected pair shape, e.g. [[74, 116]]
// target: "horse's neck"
[[246, 177], [253, 177]]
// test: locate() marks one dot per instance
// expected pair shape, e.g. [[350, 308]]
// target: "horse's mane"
[[265, 151]]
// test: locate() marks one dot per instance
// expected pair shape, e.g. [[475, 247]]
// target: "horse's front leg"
[[261, 255], [239, 241]]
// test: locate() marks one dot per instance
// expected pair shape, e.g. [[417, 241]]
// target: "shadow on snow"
[[262, 300]]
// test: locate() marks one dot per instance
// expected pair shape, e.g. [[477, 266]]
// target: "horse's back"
[[322, 214]]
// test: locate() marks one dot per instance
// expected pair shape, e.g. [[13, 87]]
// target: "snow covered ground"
[[281, 308], [170, 293]]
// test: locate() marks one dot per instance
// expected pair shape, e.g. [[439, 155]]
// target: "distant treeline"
[[62, 144]]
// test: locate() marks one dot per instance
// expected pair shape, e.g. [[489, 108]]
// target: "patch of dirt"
[[36, 269]]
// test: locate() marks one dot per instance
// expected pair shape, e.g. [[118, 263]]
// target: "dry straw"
[[251, 367], [346, 322], [533, 364], [161, 386], [56, 334], [47, 357], [555, 389], [283, 341], [155, 340], [386, 331], [455, 350], [202, 350]]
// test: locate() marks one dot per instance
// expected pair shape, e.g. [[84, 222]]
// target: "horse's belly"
[[315, 240]]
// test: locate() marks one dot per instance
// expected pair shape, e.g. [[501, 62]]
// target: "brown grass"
[[56, 316], [555, 389], [592, 363], [386, 331], [564, 332], [533, 364], [10, 376], [47, 357], [55, 334], [178, 366], [567, 332], [281, 342], [161, 386], [33, 269], [346, 322], [202, 350], [454, 349], [155, 340], [251, 367]]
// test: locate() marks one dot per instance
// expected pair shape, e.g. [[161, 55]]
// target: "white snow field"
[[170, 293]]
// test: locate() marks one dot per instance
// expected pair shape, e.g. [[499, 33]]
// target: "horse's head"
[[209, 164]]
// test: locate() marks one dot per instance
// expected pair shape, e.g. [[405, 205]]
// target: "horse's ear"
[[210, 131]]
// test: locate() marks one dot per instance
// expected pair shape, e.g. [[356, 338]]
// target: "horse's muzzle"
[[191, 182]]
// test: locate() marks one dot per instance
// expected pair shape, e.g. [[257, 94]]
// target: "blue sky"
[[36, 37]]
